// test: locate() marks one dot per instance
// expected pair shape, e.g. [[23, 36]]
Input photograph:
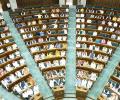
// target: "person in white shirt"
[[77, 45], [113, 36], [112, 29], [64, 38], [25, 95], [62, 62], [65, 31], [1, 8], [59, 38], [55, 25], [100, 66], [103, 22], [105, 59], [53, 15], [62, 53], [8, 68], [110, 51], [44, 26], [34, 22], [6, 41], [32, 49], [109, 23], [92, 16], [99, 57], [14, 46], [90, 39], [115, 24], [82, 26], [118, 38], [29, 93], [84, 54], [46, 16], [48, 63], [17, 89], [51, 46], [78, 83], [94, 33], [79, 53], [84, 46], [17, 53], [93, 65], [5, 83], [78, 20], [41, 65], [1, 43], [67, 10], [19, 74], [93, 76], [84, 39], [24, 36], [89, 21], [36, 57], [109, 43], [79, 38], [11, 56], [83, 32], [89, 84], [84, 83], [104, 49], [2, 50], [51, 83], [22, 62], [42, 56], [3, 35], [78, 26], [22, 30], [55, 63], [36, 90], [12, 77], [15, 64], [100, 28], [91, 47], [82, 15], [29, 23], [101, 11], [82, 20]]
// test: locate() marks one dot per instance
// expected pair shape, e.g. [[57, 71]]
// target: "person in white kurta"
[[1, 9], [84, 83], [89, 84]]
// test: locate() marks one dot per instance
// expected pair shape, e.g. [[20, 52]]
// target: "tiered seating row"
[[45, 34], [14, 74], [44, 31], [112, 88], [97, 26]]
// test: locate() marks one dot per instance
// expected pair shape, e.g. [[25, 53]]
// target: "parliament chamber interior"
[[59, 49]]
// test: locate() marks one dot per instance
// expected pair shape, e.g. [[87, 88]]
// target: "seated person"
[[93, 65], [62, 62]]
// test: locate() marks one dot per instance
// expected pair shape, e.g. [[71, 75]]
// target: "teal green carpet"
[[7, 95], [34, 70], [102, 80], [70, 79]]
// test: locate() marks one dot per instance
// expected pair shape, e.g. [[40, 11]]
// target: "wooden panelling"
[[30, 3], [33, 3], [105, 3], [4, 4]]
